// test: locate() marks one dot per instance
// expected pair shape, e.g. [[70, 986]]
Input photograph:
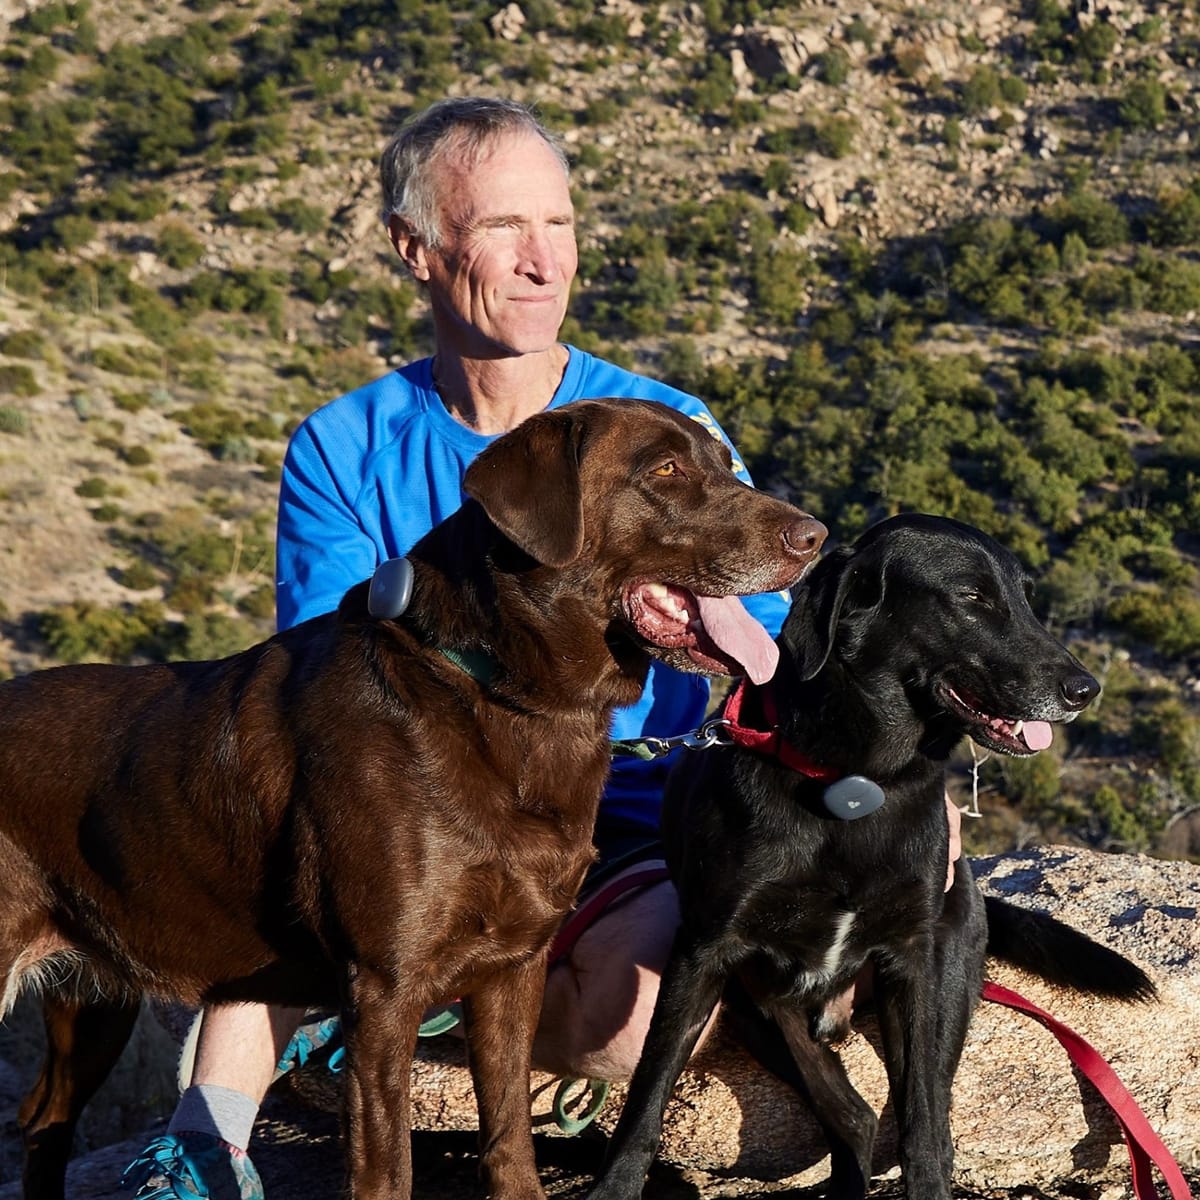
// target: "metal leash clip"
[[711, 733]]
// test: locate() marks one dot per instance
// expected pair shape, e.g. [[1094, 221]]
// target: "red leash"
[[1145, 1147]]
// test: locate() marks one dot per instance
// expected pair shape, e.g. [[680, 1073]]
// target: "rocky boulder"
[[1022, 1116]]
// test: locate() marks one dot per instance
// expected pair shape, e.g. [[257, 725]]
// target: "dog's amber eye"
[[667, 468]]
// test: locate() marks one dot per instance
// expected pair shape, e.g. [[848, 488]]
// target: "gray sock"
[[220, 1111]]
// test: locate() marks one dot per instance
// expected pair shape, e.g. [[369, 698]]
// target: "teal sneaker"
[[307, 1040], [185, 1165]]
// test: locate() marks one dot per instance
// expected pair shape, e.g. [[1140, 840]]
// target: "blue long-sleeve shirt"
[[369, 474]]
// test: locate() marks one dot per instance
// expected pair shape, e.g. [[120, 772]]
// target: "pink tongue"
[[1037, 735], [739, 635]]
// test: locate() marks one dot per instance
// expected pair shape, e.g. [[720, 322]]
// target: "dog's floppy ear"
[[843, 583], [528, 484]]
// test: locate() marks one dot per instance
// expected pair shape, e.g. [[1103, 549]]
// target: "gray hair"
[[466, 125]]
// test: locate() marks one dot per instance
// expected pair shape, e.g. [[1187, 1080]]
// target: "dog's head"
[[637, 506], [931, 617]]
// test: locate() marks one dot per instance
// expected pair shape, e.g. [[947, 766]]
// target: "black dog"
[[894, 649]]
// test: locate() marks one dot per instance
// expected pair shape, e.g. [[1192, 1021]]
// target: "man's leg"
[[600, 998], [204, 1149]]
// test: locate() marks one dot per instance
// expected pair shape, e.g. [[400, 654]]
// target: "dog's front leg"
[[906, 997], [847, 1120], [690, 988], [501, 1017], [380, 1024]]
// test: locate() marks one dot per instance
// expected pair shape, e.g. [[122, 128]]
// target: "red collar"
[[769, 742]]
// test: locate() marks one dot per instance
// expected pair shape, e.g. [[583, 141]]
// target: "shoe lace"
[[167, 1157]]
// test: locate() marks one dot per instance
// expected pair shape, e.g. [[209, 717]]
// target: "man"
[[478, 206]]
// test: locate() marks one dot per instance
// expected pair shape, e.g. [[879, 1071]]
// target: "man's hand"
[[954, 817]]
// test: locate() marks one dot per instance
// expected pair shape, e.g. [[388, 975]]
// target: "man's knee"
[[600, 1000]]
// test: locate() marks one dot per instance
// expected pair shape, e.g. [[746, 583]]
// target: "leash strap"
[[576, 925], [1145, 1146]]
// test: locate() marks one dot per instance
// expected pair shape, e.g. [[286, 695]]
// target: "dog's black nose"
[[805, 535], [1079, 689]]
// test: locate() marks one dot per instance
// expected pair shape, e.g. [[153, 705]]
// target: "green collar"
[[481, 667]]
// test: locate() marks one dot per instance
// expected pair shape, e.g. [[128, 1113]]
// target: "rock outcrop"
[[1022, 1116]]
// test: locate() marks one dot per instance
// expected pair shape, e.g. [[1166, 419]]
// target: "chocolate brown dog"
[[804, 858], [343, 814]]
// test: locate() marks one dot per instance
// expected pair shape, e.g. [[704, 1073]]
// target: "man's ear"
[[409, 246]]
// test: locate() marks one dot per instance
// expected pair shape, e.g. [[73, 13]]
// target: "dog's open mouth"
[[715, 632], [1008, 736]]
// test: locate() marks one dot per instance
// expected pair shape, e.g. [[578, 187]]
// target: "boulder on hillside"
[[1022, 1116]]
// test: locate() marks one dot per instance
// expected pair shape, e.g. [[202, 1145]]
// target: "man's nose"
[[539, 256]]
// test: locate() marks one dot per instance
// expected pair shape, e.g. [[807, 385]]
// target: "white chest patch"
[[824, 970]]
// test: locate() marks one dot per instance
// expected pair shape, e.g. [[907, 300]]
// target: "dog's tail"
[[1059, 954]]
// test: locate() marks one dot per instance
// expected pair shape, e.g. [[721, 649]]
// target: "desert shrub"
[[16, 379], [255, 218], [777, 175], [602, 110], [148, 118], [1175, 219], [178, 247], [833, 66], [296, 215], [1013, 89], [1115, 822], [258, 603], [92, 488], [82, 632], [125, 201], [1099, 222], [12, 420], [1143, 104], [1169, 619], [210, 635], [1094, 43], [24, 343], [1172, 283], [1033, 783], [831, 137], [139, 576], [981, 91], [713, 89], [141, 362]]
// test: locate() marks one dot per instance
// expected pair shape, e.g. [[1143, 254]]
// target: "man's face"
[[500, 281]]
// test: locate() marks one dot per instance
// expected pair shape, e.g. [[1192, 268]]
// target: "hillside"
[[937, 258]]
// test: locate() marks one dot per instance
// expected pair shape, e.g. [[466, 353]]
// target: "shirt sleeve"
[[321, 548]]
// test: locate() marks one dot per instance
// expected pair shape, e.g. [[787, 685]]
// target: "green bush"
[[1175, 219], [16, 379], [13, 420], [84, 632], [24, 343], [1168, 619], [981, 91], [1143, 104], [178, 247], [833, 66], [92, 488]]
